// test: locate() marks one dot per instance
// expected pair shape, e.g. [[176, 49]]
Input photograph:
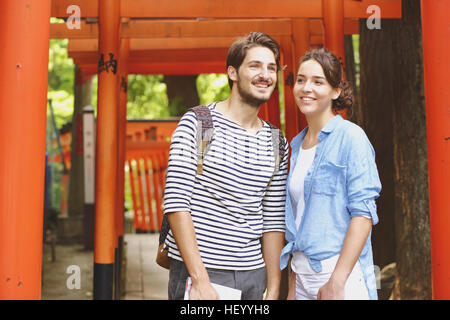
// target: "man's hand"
[[272, 244], [272, 295], [184, 233], [203, 291]]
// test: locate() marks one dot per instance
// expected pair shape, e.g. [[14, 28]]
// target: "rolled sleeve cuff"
[[366, 208]]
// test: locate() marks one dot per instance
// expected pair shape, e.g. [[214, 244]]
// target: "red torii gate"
[[181, 49], [22, 134]]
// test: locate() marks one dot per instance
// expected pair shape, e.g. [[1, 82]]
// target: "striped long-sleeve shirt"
[[237, 198]]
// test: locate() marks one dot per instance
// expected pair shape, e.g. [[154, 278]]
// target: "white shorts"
[[308, 285]]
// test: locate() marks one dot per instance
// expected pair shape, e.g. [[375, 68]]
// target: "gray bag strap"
[[205, 130], [278, 145]]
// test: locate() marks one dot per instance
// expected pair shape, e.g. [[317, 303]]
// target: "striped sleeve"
[[182, 165], [274, 200]]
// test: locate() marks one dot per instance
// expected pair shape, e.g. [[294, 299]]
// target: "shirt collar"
[[331, 125]]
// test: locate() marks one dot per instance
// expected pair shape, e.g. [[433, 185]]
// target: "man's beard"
[[250, 99]]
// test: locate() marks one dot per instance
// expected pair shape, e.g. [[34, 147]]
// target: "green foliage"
[[212, 87], [147, 97], [355, 39], [60, 81]]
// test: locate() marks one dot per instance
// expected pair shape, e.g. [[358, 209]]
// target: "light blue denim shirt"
[[341, 183]]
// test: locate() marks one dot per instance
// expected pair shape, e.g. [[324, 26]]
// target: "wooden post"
[[435, 35], [24, 35], [89, 176], [273, 108], [301, 38], [290, 107], [333, 20], [155, 173], [133, 196], [121, 139], [106, 151]]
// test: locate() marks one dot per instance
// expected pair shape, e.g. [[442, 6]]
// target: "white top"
[[300, 263], [296, 187], [297, 184]]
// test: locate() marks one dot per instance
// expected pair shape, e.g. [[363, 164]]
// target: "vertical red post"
[[143, 226], [155, 172], [148, 189], [435, 33], [301, 37], [163, 162], [121, 151], [333, 20], [24, 35], [106, 151], [290, 107], [273, 109], [263, 111], [133, 195]]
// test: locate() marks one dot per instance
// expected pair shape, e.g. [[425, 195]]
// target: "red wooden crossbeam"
[[173, 55], [229, 8], [167, 68], [178, 28], [175, 29]]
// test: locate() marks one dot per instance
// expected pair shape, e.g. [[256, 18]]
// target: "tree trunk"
[[394, 112], [182, 93], [377, 100]]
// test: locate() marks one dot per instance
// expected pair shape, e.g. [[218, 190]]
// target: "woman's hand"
[[332, 290], [292, 287]]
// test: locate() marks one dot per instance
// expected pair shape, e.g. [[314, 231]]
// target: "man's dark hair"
[[238, 50]]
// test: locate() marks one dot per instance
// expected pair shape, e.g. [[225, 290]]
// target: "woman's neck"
[[315, 125]]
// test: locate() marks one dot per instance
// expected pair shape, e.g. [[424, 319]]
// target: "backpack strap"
[[205, 130], [278, 144]]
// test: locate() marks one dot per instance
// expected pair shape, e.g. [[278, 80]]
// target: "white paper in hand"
[[225, 293]]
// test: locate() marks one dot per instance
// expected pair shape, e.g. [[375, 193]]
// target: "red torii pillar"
[[106, 148], [24, 33], [290, 108], [121, 151], [333, 20], [435, 34], [301, 37]]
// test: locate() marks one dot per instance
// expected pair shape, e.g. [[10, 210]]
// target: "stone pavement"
[[145, 280]]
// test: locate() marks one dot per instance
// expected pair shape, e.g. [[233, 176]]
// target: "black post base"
[[103, 281]]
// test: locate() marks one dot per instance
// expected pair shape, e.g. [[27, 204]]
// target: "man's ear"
[[232, 73]]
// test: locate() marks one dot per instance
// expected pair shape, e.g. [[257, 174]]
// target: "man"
[[227, 223]]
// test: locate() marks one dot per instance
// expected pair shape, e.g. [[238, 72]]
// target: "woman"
[[332, 187]]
